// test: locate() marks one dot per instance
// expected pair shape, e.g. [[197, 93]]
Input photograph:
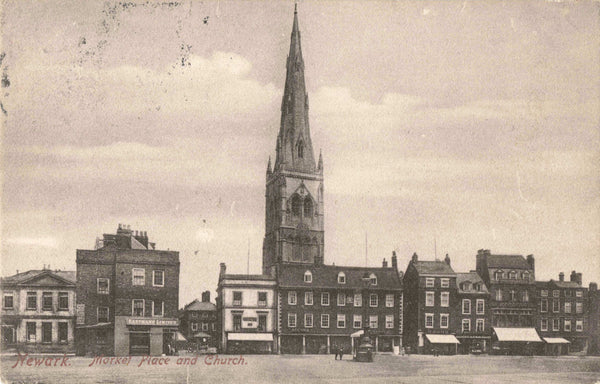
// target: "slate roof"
[[198, 305], [507, 261], [472, 277], [433, 267], [232, 276], [558, 284], [27, 275], [326, 276]]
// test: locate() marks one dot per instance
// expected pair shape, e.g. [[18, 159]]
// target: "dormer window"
[[499, 275], [525, 275], [513, 275], [307, 277], [373, 279], [341, 278]]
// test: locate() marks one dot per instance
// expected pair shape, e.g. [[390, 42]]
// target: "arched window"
[[373, 279], [301, 149], [308, 207], [341, 278], [296, 205], [307, 277]]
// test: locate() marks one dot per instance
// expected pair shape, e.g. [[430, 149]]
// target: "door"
[[139, 344]]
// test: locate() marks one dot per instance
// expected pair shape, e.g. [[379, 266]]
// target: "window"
[[341, 299], [214, 326], [158, 278], [374, 301], [300, 149], [324, 320], [32, 300], [429, 299], [102, 313], [445, 299], [158, 308], [544, 324], [480, 306], [357, 323], [556, 293], [8, 302], [46, 332], [480, 325], [262, 299], [579, 294], [466, 307], [31, 332], [308, 320], [544, 293], [195, 325], [445, 283], [357, 300], [513, 275], [544, 305], [498, 295], [296, 205], [567, 307], [307, 277], [525, 296], [429, 281], [237, 321], [325, 298], [101, 336], [466, 325], [444, 320], [567, 325], [389, 321], [262, 323], [137, 307], [308, 298], [291, 320], [555, 305], [373, 324], [512, 295], [341, 278], [102, 286], [63, 332], [578, 307], [308, 211], [568, 293], [138, 276], [237, 298], [525, 275], [429, 320], [555, 324], [579, 325], [63, 301], [373, 279], [47, 301], [498, 275], [341, 321], [389, 300], [205, 327]]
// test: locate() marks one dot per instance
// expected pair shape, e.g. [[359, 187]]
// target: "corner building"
[[127, 296]]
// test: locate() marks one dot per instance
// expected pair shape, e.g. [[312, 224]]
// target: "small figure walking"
[[337, 351], [341, 351]]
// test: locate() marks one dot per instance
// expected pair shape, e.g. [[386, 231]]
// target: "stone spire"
[[269, 171], [295, 151]]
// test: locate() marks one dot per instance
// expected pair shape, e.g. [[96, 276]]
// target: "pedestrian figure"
[[341, 353], [337, 352]]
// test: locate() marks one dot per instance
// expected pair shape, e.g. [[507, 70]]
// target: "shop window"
[[63, 301], [358, 300], [308, 298], [389, 321], [103, 315], [357, 321], [324, 320], [292, 298], [291, 320], [102, 286], [158, 278], [63, 332], [308, 320], [31, 332], [373, 322], [341, 321], [389, 300], [137, 307], [374, 300], [237, 298], [8, 301], [262, 299], [325, 298], [444, 320], [138, 276], [32, 300], [46, 332]]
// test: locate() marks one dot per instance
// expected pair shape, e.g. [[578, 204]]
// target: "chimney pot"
[[561, 277], [415, 257], [447, 259], [384, 264]]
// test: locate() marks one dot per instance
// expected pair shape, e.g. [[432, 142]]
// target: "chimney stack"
[[394, 260], [561, 277], [447, 260], [223, 269], [531, 262], [384, 264], [414, 258], [576, 277], [206, 297], [593, 287]]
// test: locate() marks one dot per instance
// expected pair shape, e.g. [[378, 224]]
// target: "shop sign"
[[153, 322]]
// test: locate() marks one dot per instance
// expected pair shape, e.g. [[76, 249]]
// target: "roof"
[[472, 277], [433, 267], [231, 276], [23, 277], [507, 261], [198, 305], [517, 334], [558, 284], [326, 276]]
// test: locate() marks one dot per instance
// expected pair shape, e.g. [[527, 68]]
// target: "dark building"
[[474, 326], [593, 315], [430, 303], [127, 296], [562, 308], [511, 282], [38, 314], [198, 322], [326, 306]]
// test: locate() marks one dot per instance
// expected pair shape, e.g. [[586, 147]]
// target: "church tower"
[[294, 191]]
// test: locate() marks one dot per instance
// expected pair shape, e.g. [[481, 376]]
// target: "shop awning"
[[357, 333], [442, 339], [517, 334], [556, 340], [179, 337], [250, 336], [99, 325], [201, 335]]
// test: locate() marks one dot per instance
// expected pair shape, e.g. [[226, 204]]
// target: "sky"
[[445, 127]]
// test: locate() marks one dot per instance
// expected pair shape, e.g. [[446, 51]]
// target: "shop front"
[[515, 341], [473, 344], [556, 346], [249, 343], [441, 344], [137, 336]]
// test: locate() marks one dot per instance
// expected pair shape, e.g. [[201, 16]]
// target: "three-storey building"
[[198, 322], [473, 313]]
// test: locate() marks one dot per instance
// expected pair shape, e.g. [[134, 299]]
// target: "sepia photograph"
[[338, 191]]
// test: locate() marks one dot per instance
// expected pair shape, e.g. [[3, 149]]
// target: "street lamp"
[[365, 349]]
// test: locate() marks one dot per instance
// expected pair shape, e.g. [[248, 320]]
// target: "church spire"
[[294, 141]]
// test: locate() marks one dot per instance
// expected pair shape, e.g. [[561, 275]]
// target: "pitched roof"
[[326, 276], [432, 267], [507, 261], [232, 276], [22, 277], [558, 284], [472, 277], [198, 305]]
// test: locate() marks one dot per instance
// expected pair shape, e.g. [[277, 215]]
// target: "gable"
[[47, 281]]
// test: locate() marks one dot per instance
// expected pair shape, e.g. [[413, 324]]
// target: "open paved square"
[[315, 369]]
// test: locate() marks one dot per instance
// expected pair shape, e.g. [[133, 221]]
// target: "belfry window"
[[308, 207], [296, 205], [301, 150]]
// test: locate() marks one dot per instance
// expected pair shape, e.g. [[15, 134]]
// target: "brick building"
[[198, 321], [127, 296], [593, 315], [38, 313], [430, 304], [562, 309], [474, 328]]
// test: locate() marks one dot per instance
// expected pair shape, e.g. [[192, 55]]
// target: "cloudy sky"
[[463, 124]]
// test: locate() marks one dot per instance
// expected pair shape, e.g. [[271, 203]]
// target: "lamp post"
[[366, 284]]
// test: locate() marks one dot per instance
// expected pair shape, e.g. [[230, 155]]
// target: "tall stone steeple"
[[294, 191]]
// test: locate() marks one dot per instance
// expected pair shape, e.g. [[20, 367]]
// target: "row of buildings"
[[123, 298]]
